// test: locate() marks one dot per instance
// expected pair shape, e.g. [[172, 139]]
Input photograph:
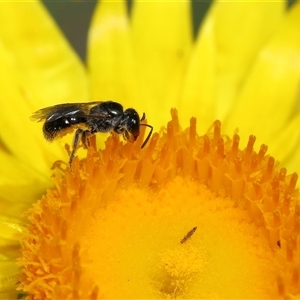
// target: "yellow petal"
[[237, 42], [20, 135], [9, 243], [200, 80], [38, 68], [110, 58], [20, 185], [52, 70], [231, 35], [289, 154], [268, 97], [8, 278], [161, 37]]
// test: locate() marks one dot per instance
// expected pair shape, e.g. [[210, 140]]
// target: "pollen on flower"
[[113, 227]]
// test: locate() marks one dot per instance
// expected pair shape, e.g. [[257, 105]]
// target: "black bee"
[[89, 118]]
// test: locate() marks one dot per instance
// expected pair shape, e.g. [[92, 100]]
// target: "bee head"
[[131, 124]]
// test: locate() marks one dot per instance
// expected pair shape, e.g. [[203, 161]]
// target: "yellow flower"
[[120, 224]]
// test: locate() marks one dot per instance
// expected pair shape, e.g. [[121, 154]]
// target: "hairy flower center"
[[134, 244], [187, 217]]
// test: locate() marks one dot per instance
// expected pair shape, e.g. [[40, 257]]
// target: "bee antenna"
[[148, 136], [143, 117]]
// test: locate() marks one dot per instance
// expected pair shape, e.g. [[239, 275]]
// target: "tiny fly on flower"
[[188, 235], [89, 118]]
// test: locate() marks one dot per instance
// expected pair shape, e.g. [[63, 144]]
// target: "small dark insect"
[[89, 118], [279, 243], [188, 235]]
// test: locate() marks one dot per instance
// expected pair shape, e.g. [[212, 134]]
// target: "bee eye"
[[134, 127], [132, 122]]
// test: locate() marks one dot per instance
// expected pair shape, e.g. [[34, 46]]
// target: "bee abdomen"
[[61, 127]]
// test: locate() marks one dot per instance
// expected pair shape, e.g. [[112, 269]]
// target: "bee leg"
[[86, 138], [128, 137], [77, 138]]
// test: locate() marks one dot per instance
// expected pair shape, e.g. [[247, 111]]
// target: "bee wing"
[[61, 110]]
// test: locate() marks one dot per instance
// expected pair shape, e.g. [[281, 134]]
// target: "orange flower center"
[[188, 216]]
